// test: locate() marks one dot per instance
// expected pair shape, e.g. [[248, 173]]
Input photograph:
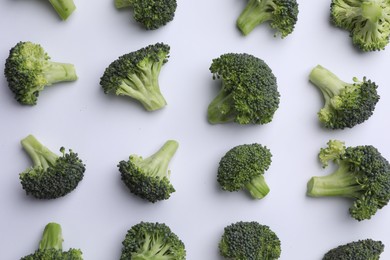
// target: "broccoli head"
[[249, 93], [50, 246], [51, 176], [29, 70], [147, 240], [367, 249], [243, 167], [281, 14], [148, 178], [249, 240], [346, 104], [64, 8], [152, 14], [136, 75], [368, 21], [362, 174]]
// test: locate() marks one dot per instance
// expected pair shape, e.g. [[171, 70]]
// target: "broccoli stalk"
[[123, 3], [257, 187], [57, 72], [52, 237], [254, 14], [64, 8]]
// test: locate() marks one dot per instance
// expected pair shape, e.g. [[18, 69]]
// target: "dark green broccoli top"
[[149, 178], [367, 249], [249, 241], [51, 176], [362, 174], [136, 75], [28, 70], [249, 93], [156, 241]]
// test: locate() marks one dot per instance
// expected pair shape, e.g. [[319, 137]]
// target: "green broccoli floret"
[[136, 75], [64, 8], [367, 249], [346, 104], [149, 178], [50, 246], [147, 241], [362, 174], [249, 93], [243, 167], [249, 240], [152, 14], [281, 14], [29, 70], [368, 21], [51, 176]]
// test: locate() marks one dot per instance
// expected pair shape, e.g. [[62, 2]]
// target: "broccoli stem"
[[257, 187], [57, 72], [39, 154], [123, 3], [64, 8], [220, 108], [340, 183], [254, 14], [52, 237], [372, 11], [157, 164]]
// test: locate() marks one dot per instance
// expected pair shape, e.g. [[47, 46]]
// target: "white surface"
[[106, 129]]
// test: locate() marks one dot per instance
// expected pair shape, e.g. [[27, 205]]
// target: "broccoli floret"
[[29, 70], [249, 93], [147, 240], [243, 167], [249, 240], [362, 174], [346, 104], [64, 8], [281, 14], [367, 249], [136, 75], [51, 176], [50, 246], [368, 21], [152, 14], [149, 178]]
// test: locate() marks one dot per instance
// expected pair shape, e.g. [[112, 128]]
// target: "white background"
[[105, 129]]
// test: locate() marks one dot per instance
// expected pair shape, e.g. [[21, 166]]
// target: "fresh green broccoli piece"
[[29, 70], [243, 167], [147, 241], [368, 21], [50, 246], [51, 176], [136, 75], [362, 174], [249, 240], [149, 178], [346, 104], [64, 8], [249, 93], [367, 249], [152, 14], [281, 14]]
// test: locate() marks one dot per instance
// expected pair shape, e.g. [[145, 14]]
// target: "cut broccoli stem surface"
[[64, 8], [257, 187], [57, 72], [39, 154], [52, 237]]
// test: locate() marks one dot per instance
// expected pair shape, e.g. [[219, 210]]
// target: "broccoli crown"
[[64, 8], [147, 240], [135, 74], [368, 21], [249, 93], [249, 240], [242, 167], [367, 249], [50, 246], [281, 14], [28, 70], [149, 178], [346, 105], [362, 174], [51, 176]]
